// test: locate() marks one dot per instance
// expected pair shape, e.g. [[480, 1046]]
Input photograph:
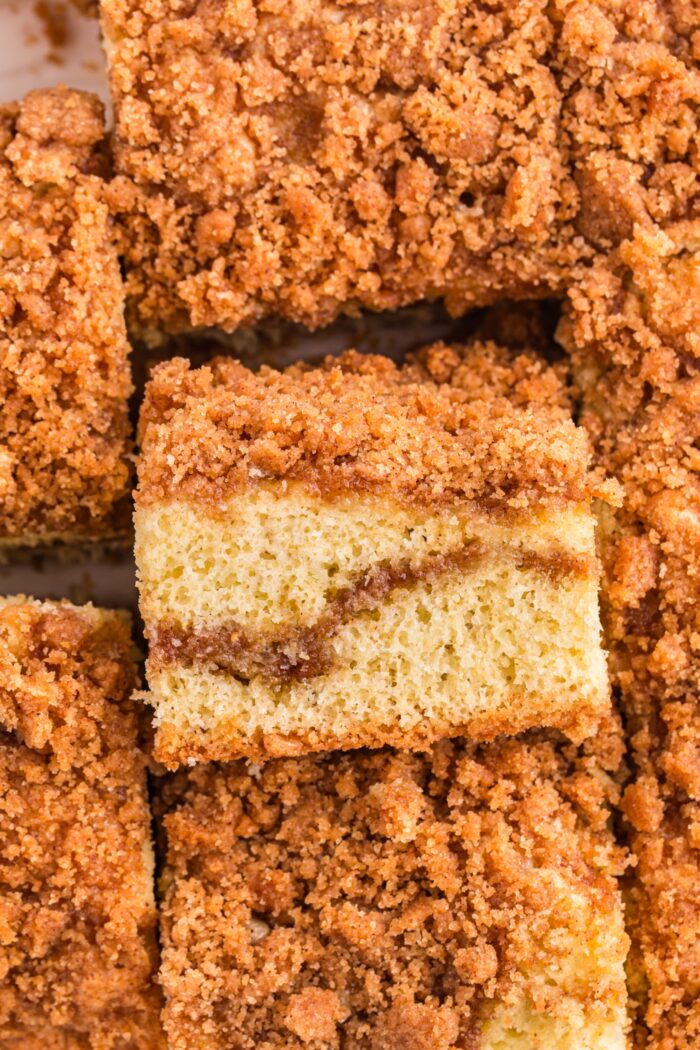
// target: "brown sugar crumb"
[[630, 75], [77, 916], [390, 901], [64, 372], [470, 423], [634, 331], [307, 159]]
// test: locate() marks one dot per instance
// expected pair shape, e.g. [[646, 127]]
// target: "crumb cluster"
[[310, 158], [634, 332], [385, 899], [453, 424], [64, 372], [629, 72], [77, 917]]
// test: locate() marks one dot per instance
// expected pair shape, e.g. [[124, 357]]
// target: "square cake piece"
[[360, 554], [307, 158], [77, 911], [634, 333], [64, 370], [388, 901]]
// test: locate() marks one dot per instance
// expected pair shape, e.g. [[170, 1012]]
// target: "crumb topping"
[[313, 157], [64, 373], [385, 899], [319, 157], [634, 330], [630, 75], [77, 920], [453, 424]]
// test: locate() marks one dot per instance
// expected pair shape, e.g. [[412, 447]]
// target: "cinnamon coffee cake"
[[64, 371], [77, 914], [305, 159], [376, 900], [634, 333], [360, 554]]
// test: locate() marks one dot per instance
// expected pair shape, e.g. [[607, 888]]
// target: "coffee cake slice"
[[383, 900], [64, 370], [633, 330], [361, 554], [77, 911], [317, 158]]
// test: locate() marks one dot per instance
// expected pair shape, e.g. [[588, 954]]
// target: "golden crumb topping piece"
[[77, 917], [455, 423], [310, 158], [629, 71], [64, 373], [385, 899]]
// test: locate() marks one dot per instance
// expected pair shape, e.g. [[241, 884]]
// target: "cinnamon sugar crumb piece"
[[77, 914], [64, 372], [317, 158], [629, 72], [360, 554], [634, 333], [498, 924]]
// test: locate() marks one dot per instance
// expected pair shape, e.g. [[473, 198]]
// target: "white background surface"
[[26, 59]]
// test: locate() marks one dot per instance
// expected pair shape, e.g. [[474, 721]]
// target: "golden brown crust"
[[390, 894], [175, 746], [454, 424], [77, 917], [305, 159], [64, 373], [634, 329]]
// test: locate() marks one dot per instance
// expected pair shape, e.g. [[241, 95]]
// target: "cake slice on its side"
[[64, 371], [463, 898], [360, 554], [77, 912], [634, 334]]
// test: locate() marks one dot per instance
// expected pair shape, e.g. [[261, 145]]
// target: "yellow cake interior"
[[502, 640]]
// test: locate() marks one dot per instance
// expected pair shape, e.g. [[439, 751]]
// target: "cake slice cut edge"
[[427, 582]]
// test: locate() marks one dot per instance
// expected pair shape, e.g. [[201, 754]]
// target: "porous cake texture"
[[466, 897], [307, 158], [360, 554], [634, 332], [64, 372], [77, 912]]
